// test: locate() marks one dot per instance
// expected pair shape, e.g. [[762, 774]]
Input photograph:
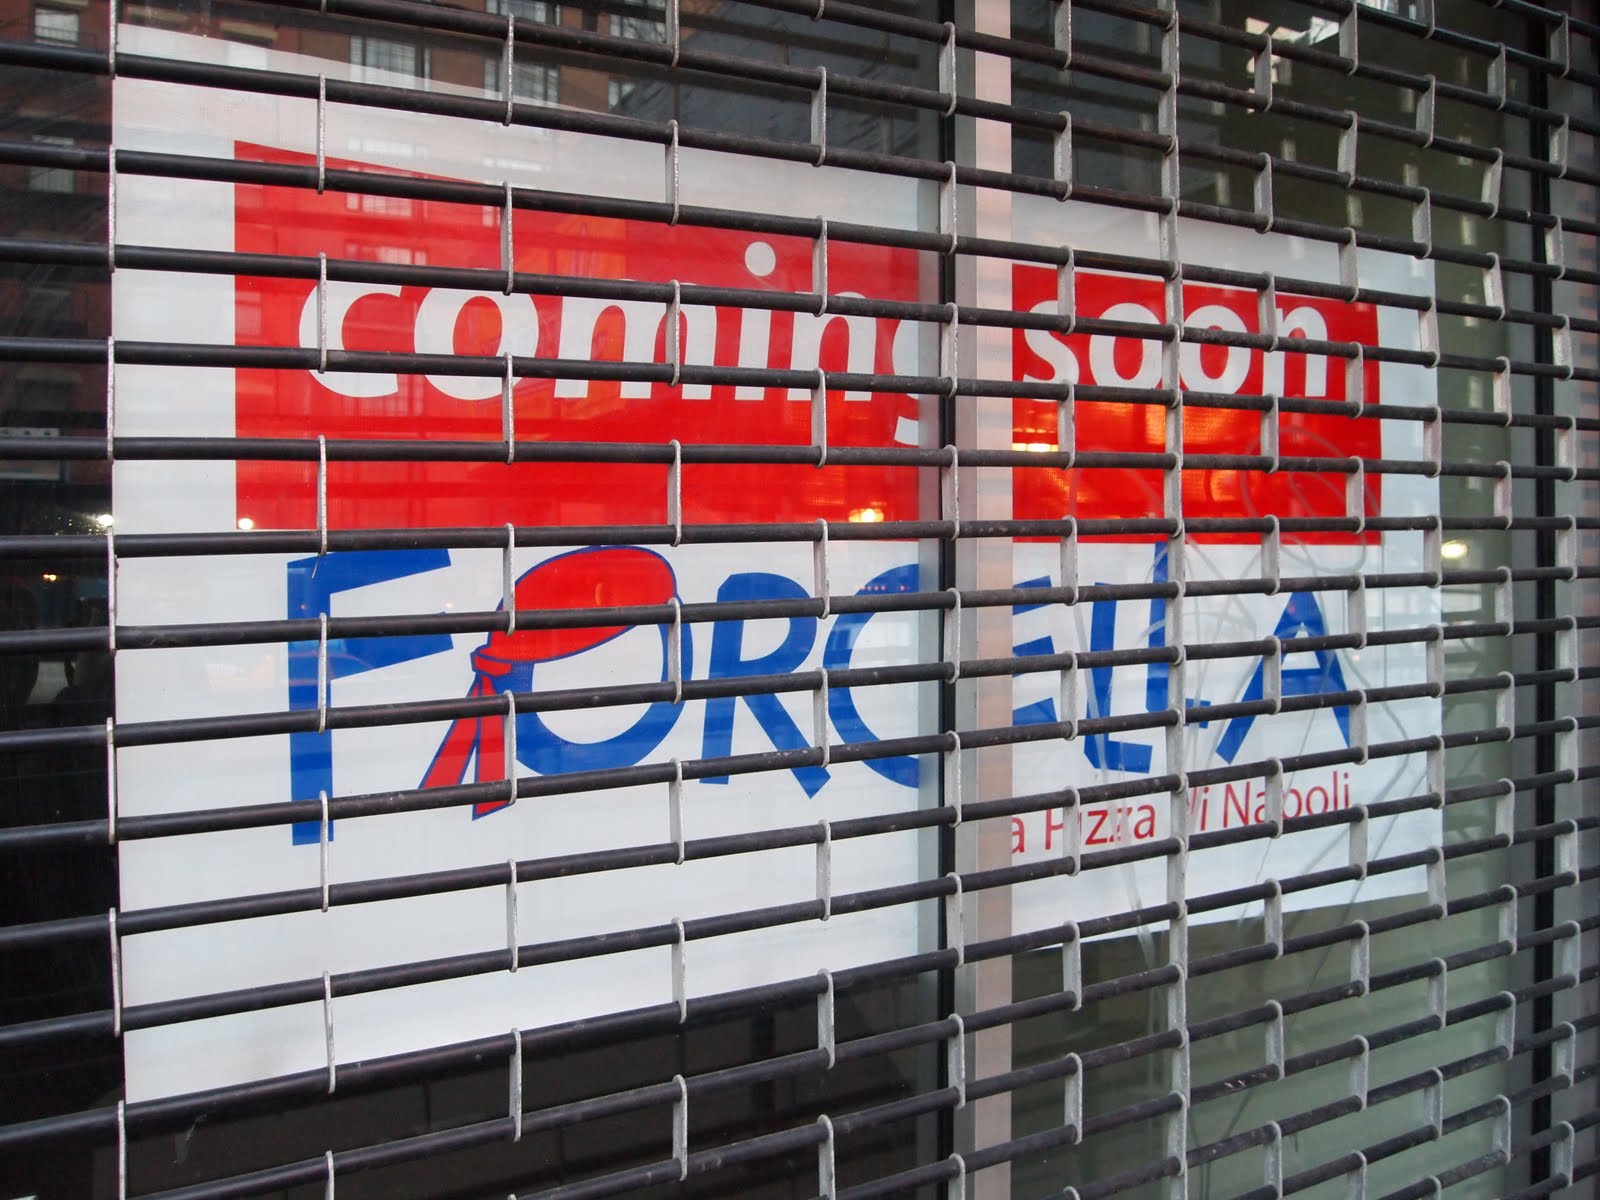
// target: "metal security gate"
[[785, 597]]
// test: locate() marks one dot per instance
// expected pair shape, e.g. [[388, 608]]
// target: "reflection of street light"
[[105, 520], [246, 523], [48, 577], [1453, 550], [866, 515]]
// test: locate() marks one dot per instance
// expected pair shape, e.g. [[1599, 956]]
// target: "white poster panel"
[[1307, 727], [567, 912]]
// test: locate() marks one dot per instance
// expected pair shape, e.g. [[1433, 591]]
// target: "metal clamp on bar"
[[1350, 40], [1422, 233], [1361, 1068], [672, 170], [111, 198], [674, 333], [1262, 200], [680, 972], [322, 133], [1347, 157], [1438, 880], [1556, 255], [322, 673], [949, 219], [122, 1122], [327, 1030], [1561, 347], [1359, 839], [508, 418], [1061, 31], [508, 594], [825, 870], [1355, 611], [322, 496], [1505, 811], [956, 1058], [508, 59], [1505, 701], [1067, 303], [1494, 286], [955, 920], [508, 251], [950, 499], [1072, 964], [1361, 959], [1563, 1154], [1433, 1105], [111, 778], [1501, 389], [821, 576], [510, 739], [1496, 78], [1072, 822], [819, 117], [1268, 318], [827, 1030], [1061, 164], [1355, 493], [1272, 1160], [1505, 1026], [675, 492], [1356, 1178], [1272, 772], [956, 1185], [1565, 1047], [324, 830], [115, 950], [680, 1128], [1493, 179], [827, 1184], [819, 718], [1504, 612], [1349, 271], [1276, 1039], [1271, 683], [675, 808], [674, 31], [819, 418], [952, 778], [513, 922], [819, 265], [947, 68], [1438, 991], [952, 641], [322, 313], [514, 1084], [675, 653], [1427, 104], [1272, 543], [1272, 919], [1072, 1096]]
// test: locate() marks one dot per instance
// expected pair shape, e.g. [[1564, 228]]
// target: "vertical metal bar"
[[1544, 700], [986, 423]]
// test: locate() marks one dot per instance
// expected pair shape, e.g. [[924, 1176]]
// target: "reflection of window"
[[47, 312], [51, 179], [645, 23], [55, 25], [382, 206], [46, 395], [617, 91], [527, 10], [530, 81], [386, 54]]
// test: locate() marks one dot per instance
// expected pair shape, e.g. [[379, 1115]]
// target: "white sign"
[[482, 746]]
